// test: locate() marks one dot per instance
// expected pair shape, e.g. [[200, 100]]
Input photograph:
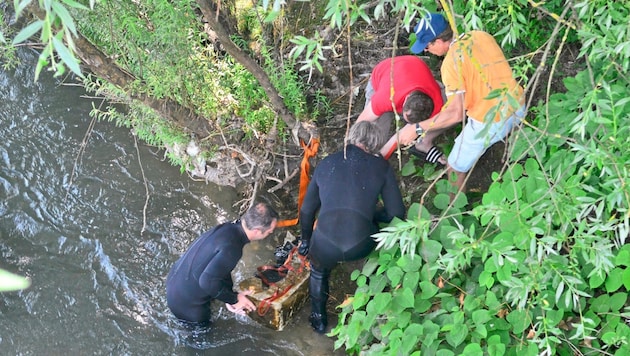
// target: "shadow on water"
[[76, 223]]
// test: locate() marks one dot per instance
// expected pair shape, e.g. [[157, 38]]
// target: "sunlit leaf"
[[12, 282], [67, 57], [75, 4], [28, 31], [64, 15]]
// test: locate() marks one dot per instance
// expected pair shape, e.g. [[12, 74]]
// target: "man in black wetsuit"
[[345, 190], [203, 272]]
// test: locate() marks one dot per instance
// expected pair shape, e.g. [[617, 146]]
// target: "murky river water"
[[72, 220]]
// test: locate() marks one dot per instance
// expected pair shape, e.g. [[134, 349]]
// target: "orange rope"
[[310, 151], [265, 304]]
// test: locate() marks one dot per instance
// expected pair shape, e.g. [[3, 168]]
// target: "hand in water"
[[234, 310], [243, 306]]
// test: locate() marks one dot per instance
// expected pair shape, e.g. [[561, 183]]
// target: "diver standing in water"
[[203, 272], [344, 193]]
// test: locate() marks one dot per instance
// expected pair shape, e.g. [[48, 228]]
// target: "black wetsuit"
[[203, 272], [346, 192]]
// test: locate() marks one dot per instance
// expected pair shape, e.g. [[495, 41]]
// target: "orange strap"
[[264, 304], [391, 150], [310, 151]]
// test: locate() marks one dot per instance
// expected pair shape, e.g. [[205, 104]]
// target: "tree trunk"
[[305, 132]]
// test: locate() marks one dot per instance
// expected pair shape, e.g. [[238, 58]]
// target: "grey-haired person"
[[343, 196]]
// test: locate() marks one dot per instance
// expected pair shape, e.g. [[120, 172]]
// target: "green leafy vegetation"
[[166, 48], [538, 266]]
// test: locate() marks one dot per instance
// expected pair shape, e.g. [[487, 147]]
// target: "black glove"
[[282, 252], [303, 248]]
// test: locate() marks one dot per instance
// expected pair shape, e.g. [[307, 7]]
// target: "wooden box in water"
[[277, 304]]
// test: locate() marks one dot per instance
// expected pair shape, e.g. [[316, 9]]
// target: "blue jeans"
[[472, 142]]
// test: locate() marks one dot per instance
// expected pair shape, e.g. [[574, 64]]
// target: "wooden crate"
[[279, 312]]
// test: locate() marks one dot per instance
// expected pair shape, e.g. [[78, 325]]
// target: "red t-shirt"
[[410, 74]]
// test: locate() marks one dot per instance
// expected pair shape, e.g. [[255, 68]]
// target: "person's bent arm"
[[451, 114], [392, 198], [367, 113], [310, 206], [390, 146]]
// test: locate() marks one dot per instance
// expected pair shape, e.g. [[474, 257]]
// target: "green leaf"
[[457, 335], [359, 300], [494, 94], [394, 274], [486, 279], [272, 16], [28, 31], [554, 316], [381, 302], [75, 4], [519, 319], [595, 281], [600, 304], [430, 250], [410, 280], [623, 258], [617, 301], [404, 298], [422, 305], [427, 272], [495, 346], [441, 201], [65, 17], [427, 289], [66, 56], [42, 60], [472, 350], [408, 169], [369, 267], [614, 280], [460, 201], [410, 338], [626, 278], [481, 316], [408, 263], [443, 231], [12, 282], [496, 350]]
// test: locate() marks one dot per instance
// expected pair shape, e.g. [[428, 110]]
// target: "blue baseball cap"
[[427, 29]]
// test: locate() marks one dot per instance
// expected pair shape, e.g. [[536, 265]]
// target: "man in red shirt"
[[404, 84]]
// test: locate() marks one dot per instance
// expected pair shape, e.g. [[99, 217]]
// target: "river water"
[[76, 220]]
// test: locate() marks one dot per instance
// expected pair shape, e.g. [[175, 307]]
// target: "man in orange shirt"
[[480, 88]]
